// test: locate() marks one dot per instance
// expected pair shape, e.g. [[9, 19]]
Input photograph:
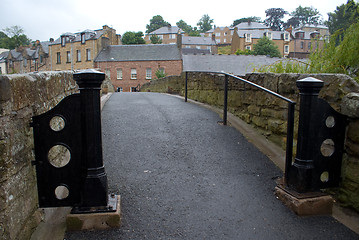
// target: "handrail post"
[[186, 88], [225, 100], [94, 192]]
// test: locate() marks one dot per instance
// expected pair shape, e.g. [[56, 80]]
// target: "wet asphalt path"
[[181, 175]]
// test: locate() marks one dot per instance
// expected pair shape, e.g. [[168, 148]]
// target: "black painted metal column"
[[94, 192], [225, 99], [301, 173]]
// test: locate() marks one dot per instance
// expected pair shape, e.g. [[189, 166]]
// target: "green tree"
[[155, 39], [302, 16], [205, 23], [13, 37], [247, 19], [160, 73], [344, 16], [274, 18], [133, 38], [267, 47], [193, 32], [155, 23]]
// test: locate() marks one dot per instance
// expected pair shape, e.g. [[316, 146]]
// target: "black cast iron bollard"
[[225, 99], [94, 191], [301, 173]]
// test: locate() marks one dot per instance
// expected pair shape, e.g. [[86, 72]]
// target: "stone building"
[[201, 43], [167, 34], [245, 40], [130, 66], [72, 51]]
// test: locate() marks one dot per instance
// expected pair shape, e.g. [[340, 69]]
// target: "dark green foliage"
[[302, 16], [274, 18], [267, 47], [13, 37], [344, 16], [133, 38], [205, 23], [247, 19], [193, 32], [155, 39], [155, 23]]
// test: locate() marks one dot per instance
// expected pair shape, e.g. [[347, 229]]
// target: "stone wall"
[[268, 114], [21, 97]]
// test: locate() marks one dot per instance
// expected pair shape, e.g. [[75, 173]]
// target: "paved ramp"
[[181, 175]]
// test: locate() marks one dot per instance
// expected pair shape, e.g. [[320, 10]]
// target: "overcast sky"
[[44, 19]]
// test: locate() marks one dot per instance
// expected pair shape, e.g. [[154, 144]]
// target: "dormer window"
[[268, 35], [83, 38], [248, 37], [286, 36], [63, 41]]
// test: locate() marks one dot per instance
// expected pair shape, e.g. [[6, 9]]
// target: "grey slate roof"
[[143, 52], [276, 35], [167, 30], [251, 25], [186, 51], [198, 41], [3, 56], [89, 34], [237, 65]]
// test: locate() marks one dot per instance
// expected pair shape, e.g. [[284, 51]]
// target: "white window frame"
[[119, 73], [160, 36], [218, 34], [286, 49], [248, 37], [78, 54], [68, 56], [83, 40], [172, 36], [88, 54], [148, 73], [108, 73], [269, 35], [133, 73], [286, 36]]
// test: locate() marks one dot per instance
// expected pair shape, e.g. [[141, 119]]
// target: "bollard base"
[[306, 204], [95, 220]]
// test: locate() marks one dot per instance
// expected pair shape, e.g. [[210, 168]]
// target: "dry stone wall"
[[21, 97], [268, 114]]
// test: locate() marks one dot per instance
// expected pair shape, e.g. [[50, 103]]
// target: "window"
[[133, 73], [58, 58], [119, 89], [198, 47], [119, 73], [148, 73], [218, 34], [108, 73], [172, 36], [301, 45], [160, 37], [268, 35], [25, 62], [249, 47], [286, 36], [309, 45], [78, 54], [286, 49], [248, 37], [68, 56], [83, 38], [88, 54], [41, 59], [63, 41]]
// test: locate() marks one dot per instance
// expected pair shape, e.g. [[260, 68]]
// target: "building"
[[245, 40], [222, 35], [130, 66], [167, 34], [308, 38], [200, 43], [72, 51], [3, 60]]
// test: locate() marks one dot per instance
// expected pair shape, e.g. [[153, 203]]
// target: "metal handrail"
[[291, 110]]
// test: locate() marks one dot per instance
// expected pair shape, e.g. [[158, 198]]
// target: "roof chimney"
[[179, 41], [51, 40]]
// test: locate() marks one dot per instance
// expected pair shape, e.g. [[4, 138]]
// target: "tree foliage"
[[267, 47], [13, 37], [344, 16], [302, 16], [133, 38], [205, 23], [155, 39], [274, 18], [247, 19], [188, 28], [155, 23]]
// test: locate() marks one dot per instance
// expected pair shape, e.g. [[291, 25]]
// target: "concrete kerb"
[[53, 224], [277, 155]]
